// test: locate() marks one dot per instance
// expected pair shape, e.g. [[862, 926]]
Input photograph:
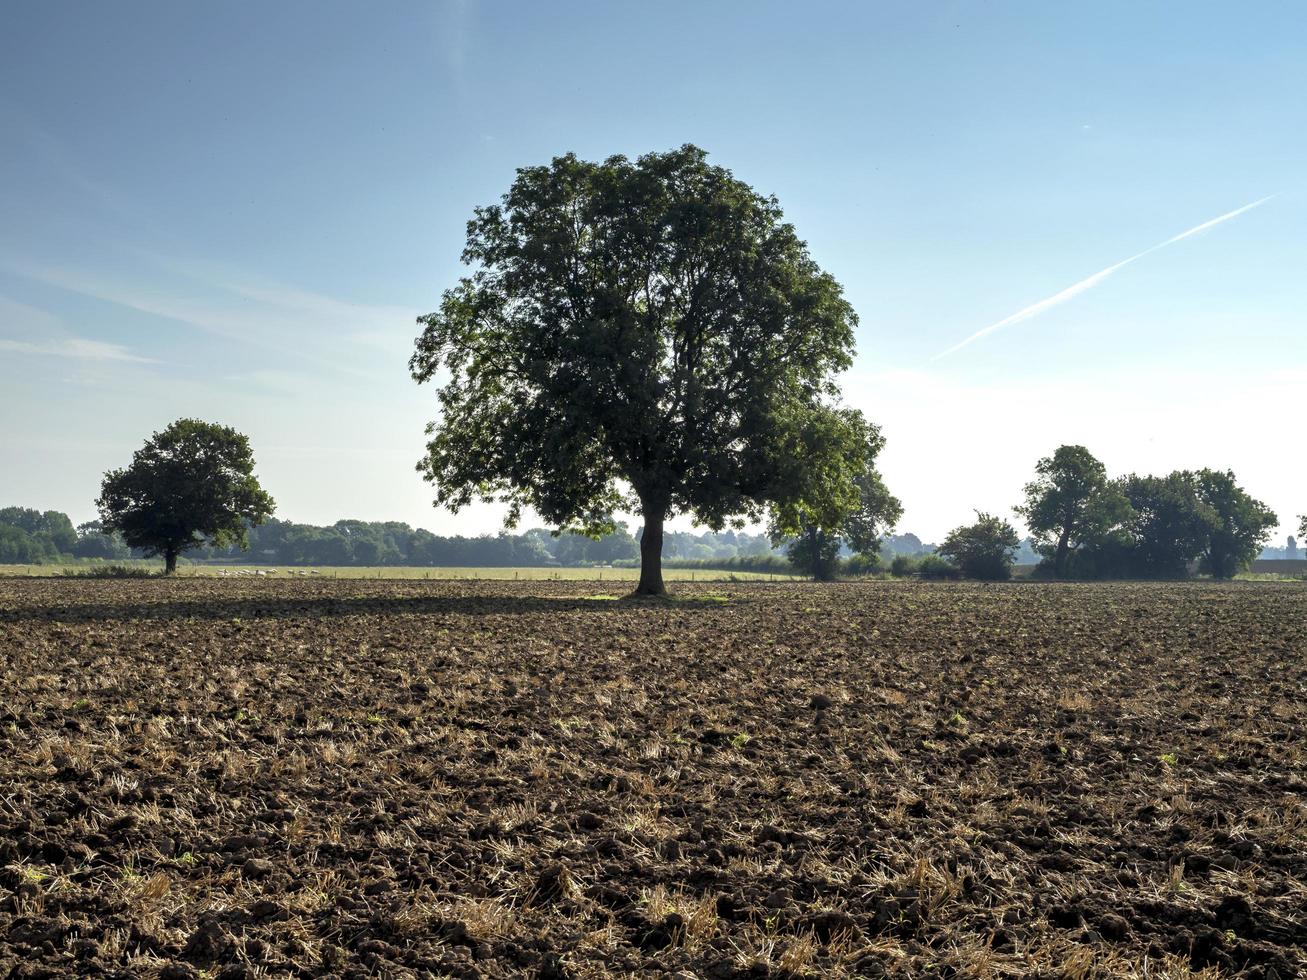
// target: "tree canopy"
[[1070, 504], [642, 335], [1169, 526], [190, 484], [29, 536], [1238, 525]]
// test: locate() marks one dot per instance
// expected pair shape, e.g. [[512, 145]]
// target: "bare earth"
[[234, 778]]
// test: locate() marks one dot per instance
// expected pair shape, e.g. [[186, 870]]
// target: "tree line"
[[1090, 526], [1085, 525], [29, 536], [377, 543]]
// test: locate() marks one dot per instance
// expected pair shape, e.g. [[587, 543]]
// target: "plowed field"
[[395, 779]]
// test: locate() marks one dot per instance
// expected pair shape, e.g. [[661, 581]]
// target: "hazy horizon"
[[1056, 226]]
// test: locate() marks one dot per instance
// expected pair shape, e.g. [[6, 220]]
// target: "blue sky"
[[234, 211]]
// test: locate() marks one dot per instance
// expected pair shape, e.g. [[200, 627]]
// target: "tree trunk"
[[1063, 553], [169, 561], [651, 552], [825, 555]]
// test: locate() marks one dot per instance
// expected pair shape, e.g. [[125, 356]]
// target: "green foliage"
[[17, 547], [862, 563], [926, 566], [646, 334], [937, 567], [1070, 504], [396, 543], [1240, 527], [768, 563], [904, 565], [1141, 526], [1169, 528], [51, 527], [983, 550], [814, 552], [823, 533], [29, 536], [93, 542], [192, 482]]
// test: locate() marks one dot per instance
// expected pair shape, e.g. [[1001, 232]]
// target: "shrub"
[[904, 565], [927, 566], [937, 567], [112, 571], [862, 565], [984, 550], [767, 564]]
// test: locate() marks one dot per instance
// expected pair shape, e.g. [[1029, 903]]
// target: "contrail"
[[1035, 309]]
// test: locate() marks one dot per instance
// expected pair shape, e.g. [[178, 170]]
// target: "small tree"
[[190, 484], [93, 542], [1070, 504], [1240, 525], [983, 550], [873, 511], [644, 335]]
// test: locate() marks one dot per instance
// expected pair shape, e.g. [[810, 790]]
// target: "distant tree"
[[1170, 526], [1240, 525], [904, 544], [649, 336], [17, 547], [191, 483], [51, 528], [616, 546], [983, 550], [93, 542], [873, 510], [26, 519], [1069, 504], [1291, 546]]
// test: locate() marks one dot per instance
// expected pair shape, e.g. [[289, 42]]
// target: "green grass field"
[[404, 572]]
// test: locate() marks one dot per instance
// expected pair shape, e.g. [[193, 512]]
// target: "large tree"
[[643, 335], [1240, 526], [1070, 504], [873, 512], [191, 484]]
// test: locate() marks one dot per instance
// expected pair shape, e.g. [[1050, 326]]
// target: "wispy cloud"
[[1034, 309], [294, 323], [77, 348]]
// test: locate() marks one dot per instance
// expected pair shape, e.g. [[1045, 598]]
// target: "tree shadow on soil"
[[217, 608]]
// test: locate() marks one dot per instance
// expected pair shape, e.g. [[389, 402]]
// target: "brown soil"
[[395, 779]]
